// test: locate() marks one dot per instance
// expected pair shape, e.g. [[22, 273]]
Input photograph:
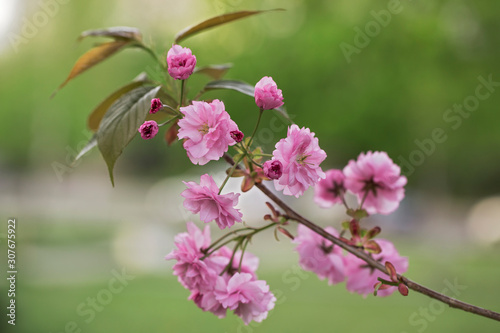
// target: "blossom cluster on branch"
[[219, 278]]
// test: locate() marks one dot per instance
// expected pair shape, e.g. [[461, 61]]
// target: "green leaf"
[[217, 20], [357, 214], [346, 224], [124, 33], [257, 152], [120, 123], [96, 115], [216, 72], [92, 58], [88, 147], [243, 88]]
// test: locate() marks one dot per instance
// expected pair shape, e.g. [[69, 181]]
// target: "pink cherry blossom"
[[273, 169], [330, 190], [267, 95], [250, 299], [207, 302], [148, 129], [204, 199], [361, 278], [377, 177], [249, 264], [192, 272], [300, 155], [319, 255], [207, 129], [181, 62]]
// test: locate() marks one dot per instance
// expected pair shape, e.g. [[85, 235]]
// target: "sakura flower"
[[207, 129], [192, 272], [300, 155], [148, 129], [207, 302], [319, 255], [375, 176], [267, 95], [250, 299], [204, 199], [330, 190], [361, 278], [181, 62]]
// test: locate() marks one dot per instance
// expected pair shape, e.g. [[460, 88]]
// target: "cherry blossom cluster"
[[219, 278], [222, 280]]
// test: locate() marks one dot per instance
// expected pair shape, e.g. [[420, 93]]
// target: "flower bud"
[[267, 95], [273, 169], [237, 136], [181, 62], [149, 129], [156, 105]]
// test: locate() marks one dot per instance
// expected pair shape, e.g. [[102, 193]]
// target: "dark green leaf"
[[96, 115], [88, 147], [125, 33], [216, 72], [119, 125], [215, 21], [243, 88]]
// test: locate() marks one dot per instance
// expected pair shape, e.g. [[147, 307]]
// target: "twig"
[[452, 302]]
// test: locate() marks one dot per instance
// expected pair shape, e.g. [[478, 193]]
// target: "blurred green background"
[[391, 94]]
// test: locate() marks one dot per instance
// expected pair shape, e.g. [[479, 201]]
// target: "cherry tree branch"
[[452, 302]]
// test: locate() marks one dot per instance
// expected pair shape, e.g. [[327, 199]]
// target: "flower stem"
[[243, 248], [182, 93], [233, 232], [255, 129], [363, 200], [168, 121], [230, 173]]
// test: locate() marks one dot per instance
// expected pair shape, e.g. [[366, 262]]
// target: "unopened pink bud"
[[273, 169], [267, 95], [149, 129], [181, 62], [156, 105], [237, 136]]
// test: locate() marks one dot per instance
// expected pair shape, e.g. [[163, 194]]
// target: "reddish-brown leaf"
[[215, 21], [216, 72], [171, 134], [93, 57]]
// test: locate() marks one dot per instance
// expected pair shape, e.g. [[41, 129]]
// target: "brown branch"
[[452, 302]]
